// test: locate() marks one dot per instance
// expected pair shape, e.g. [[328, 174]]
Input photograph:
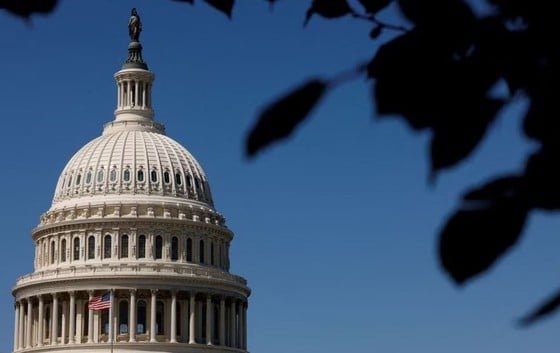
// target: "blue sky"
[[335, 230]]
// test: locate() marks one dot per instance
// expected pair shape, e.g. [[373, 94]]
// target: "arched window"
[[76, 248], [124, 246], [189, 250], [107, 247], [63, 250], [159, 247], [201, 251], [178, 180], [212, 253], [141, 317], [166, 177], [126, 175], [174, 249], [91, 247], [88, 177], [52, 251], [140, 175], [153, 176], [159, 317], [78, 179], [100, 176], [141, 246], [123, 317], [113, 175]]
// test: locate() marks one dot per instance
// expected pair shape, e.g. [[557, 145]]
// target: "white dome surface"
[[127, 164]]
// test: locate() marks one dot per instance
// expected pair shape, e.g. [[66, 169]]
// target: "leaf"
[[472, 240], [278, 120], [327, 9], [374, 6], [375, 32], [542, 175], [27, 8], [545, 309], [456, 137], [225, 6], [498, 189]]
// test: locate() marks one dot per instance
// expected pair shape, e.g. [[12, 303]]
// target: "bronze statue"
[[134, 26]]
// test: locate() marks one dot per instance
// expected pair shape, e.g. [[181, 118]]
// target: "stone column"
[[72, 324], [222, 321], [90, 321], [40, 322], [54, 327], [28, 323], [232, 331], [192, 319], [153, 317], [244, 336], [173, 338], [79, 327], [240, 324], [64, 322], [21, 326], [132, 316], [16, 326], [209, 312]]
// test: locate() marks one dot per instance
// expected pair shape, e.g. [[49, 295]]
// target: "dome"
[[129, 164]]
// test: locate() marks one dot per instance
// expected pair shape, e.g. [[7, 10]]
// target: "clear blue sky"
[[335, 230]]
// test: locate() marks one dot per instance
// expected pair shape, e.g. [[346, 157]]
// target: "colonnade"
[[141, 315]]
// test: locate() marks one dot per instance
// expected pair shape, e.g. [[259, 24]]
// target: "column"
[[64, 322], [136, 93], [54, 327], [90, 321], [232, 341], [244, 336], [40, 322], [21, 326], [79, 328], [16, 326], [239, 324], [153, 317], [173, 338], [143, 95], [192, 321], [72, 328], [209, 312], [222, 321], [132, 316], [110, 319], [28, 323], [118, 95]]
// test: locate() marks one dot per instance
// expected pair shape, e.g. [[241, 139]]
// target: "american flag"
[[100, 302]]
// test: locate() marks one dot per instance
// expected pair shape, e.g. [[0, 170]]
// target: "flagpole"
[[111, 320]]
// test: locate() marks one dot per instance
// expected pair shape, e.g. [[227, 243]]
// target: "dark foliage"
[[436, 76]]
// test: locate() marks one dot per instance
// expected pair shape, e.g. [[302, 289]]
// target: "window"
[[212, 253], [141, 246], [63, 250], [159, 317], [85, 321], [78, 179], [47, 322], [159, 247], [107, 247], [52, 251], [124, 246], [100, 176], [88, 177], [113, 175], [174, 249], [141, 316], [69, 181], [76, 248], [189, 249], [105, 322], [201, 251], [178, 315], [140, 175], [123, 317], [196, 183], [153, 176], [178, 180], [126, 175], [189, 181], [91, 247], [166, 177]]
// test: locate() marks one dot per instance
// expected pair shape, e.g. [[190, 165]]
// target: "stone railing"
[[129, 270]]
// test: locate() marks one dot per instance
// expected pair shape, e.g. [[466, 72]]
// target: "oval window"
[[153, 176], [100, 176], [166, 177], [113, 176], [140, 175], [88, 177], [126, 175]]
